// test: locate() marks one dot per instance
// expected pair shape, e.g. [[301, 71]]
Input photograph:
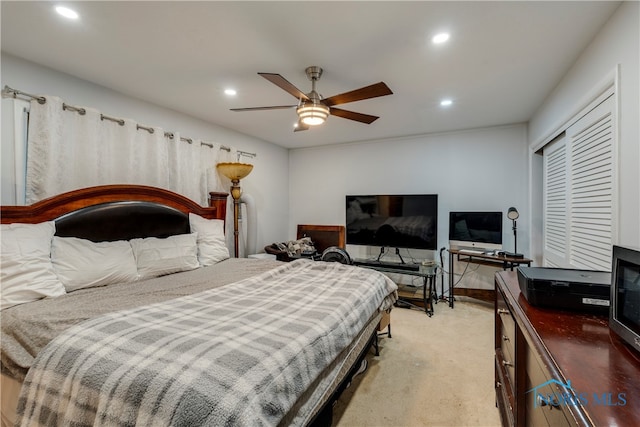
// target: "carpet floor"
[[433, 371]]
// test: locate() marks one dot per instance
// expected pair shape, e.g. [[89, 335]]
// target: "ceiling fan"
[[312, 109]]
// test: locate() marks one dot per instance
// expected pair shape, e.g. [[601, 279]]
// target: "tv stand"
[[381, 254], [428, 274]]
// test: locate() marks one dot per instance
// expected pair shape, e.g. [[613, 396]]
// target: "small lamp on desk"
[[513, 214]]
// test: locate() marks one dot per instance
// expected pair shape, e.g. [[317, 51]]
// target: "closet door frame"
[[607, 87], [592, 191]]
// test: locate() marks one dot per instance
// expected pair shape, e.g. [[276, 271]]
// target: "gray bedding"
[[233, 355], [27, 328]]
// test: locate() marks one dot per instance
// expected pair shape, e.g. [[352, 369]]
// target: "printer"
[[569, 289]]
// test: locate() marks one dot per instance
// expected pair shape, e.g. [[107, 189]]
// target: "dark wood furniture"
[[322, 236], [555, 367], [54, 207], [506, 262]]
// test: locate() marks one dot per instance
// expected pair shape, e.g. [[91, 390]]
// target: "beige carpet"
[[434, 371]]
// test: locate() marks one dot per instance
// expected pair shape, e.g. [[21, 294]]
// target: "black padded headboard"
[[122, 221]]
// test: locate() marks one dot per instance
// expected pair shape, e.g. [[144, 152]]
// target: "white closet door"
[[556, 207], [591, 141], [579, 193]]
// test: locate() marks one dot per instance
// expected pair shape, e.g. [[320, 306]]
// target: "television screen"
[[399, 221], [624, 315], [475, 229]]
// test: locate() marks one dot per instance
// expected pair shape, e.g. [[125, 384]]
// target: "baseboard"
[[481, 294]]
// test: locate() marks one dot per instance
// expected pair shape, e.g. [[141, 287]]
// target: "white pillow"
[[212, 246], [26, 272], [81, 263], [156, 257]]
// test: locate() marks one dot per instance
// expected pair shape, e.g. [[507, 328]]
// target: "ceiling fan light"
[[313, 114]]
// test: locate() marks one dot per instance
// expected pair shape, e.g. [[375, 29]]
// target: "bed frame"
[[117, 212], [123, 212]]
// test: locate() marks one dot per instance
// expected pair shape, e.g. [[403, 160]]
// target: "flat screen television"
[[482, 230], [624, 312], [397, 221]]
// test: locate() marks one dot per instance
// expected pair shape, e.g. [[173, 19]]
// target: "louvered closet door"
[[579, 201], [556, 230]]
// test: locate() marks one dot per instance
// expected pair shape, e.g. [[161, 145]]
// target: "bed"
[[185, 335]]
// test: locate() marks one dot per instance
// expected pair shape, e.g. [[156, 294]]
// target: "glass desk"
[[427, 272]]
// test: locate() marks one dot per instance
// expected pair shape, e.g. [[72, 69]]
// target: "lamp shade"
[[313, 114], [235, 171], [512, 213]]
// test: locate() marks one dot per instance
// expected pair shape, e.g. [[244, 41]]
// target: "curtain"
[[69, 149]]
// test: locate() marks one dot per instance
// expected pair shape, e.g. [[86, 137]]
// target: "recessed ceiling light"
[[440, 38], [446, 102], [66, 12], [230, 92]]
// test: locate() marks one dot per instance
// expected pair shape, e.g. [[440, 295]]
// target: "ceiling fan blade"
[[300, 126], [274, 107], [371, 91], [352, 115], [284, 84]]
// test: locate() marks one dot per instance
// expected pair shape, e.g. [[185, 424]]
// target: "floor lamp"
[[513, 214], [235, 172]]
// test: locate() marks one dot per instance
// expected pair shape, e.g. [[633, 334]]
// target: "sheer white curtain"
[[195, 155], [68, 150]]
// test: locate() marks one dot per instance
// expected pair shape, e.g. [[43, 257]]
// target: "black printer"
[[569, 289]]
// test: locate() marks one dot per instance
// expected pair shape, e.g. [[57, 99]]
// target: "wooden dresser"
[[560, 368]]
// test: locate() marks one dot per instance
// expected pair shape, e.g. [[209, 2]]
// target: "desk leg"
[[451, 263], [432, 285], [426, 294]]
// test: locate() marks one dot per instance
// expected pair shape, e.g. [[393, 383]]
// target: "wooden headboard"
[[323, 236], [116, 212]]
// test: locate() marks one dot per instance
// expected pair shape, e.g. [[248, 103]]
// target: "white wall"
[[482, 169], [617, 45], [267, 183]]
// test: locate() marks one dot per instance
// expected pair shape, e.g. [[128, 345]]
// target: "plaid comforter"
[[236, 355]]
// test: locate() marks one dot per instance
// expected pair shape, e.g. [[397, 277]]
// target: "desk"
[[428, 274], [506, 262]]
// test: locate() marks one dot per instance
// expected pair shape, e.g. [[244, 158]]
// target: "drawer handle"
[[543, 402], [505, 338], [507, 363], [503, 311]]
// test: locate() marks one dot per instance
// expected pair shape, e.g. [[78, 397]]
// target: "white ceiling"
[[502, 60]]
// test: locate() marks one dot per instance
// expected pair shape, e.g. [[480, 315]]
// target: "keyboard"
[[471, 251], [390, 265]]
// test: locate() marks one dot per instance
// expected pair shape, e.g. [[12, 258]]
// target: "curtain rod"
[[14, 93]]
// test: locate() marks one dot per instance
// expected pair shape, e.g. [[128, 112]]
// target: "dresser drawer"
[[505, 330], [543, 395], [504, 392], [509, 365]]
